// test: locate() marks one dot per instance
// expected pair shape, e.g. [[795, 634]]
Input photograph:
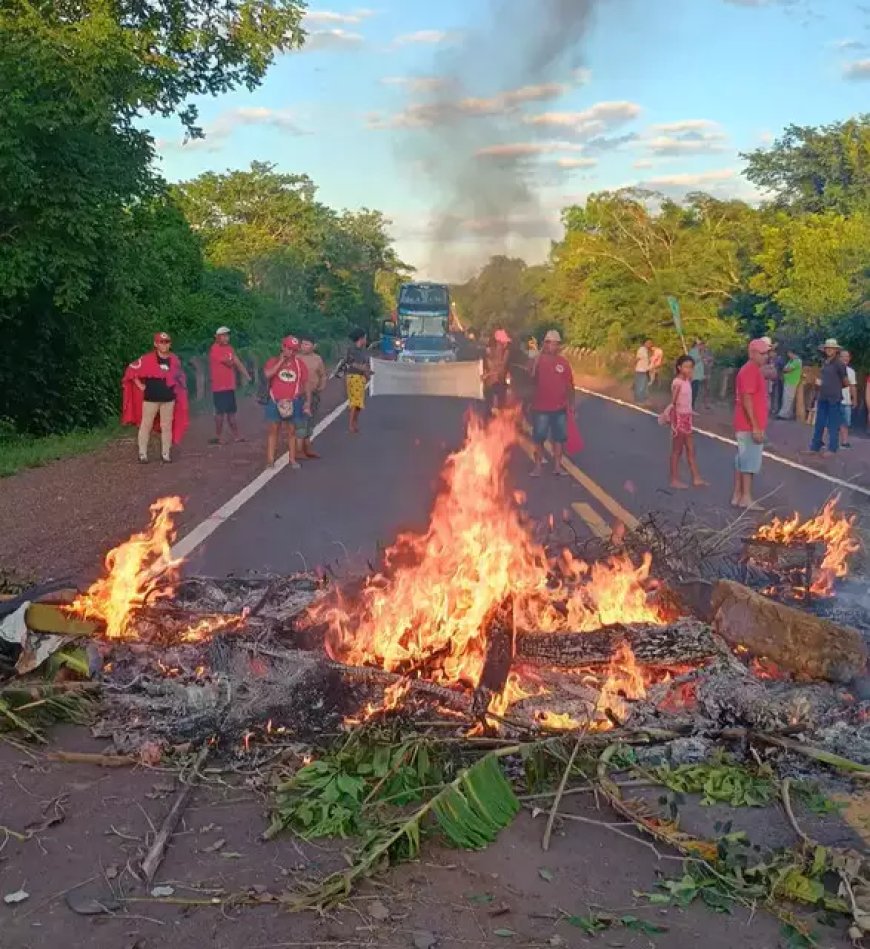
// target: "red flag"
[[574, 445]]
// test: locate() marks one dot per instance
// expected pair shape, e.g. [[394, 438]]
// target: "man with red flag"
[[155, 391]]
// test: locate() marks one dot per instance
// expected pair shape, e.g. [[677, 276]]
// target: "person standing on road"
[[357, 372], [829, 404], [679, 413], [155, 392], [750, 421], [223, 364], [657, 357], [289, 398], [850, 399], [791, 379], [641, 370], [495, 371], [317, 383], [699, 372], [554, 398]]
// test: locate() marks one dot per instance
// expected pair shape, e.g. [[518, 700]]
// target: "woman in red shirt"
[[289, 398]]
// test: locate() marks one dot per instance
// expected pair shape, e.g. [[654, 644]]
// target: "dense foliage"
[[797, 266], [97, 252]]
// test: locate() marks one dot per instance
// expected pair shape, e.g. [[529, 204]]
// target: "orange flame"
[[625, 681], [140, 570], [427, 612], [835, 530], [558, 721]]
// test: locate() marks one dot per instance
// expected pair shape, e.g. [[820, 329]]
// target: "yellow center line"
[[594, 520], [597, 492]]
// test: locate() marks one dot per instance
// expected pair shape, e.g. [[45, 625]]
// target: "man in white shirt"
[[850, 399], [641, 370]]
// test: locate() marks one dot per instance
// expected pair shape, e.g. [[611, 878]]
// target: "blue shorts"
[[552, 425], [749, 454], [846, 414], [270, 410]]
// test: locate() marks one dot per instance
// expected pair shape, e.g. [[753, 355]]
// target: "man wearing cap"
[[750, 420], [289, 398], [223, 363], [553, 400], [155, 391], [495, 371], [829, 408]]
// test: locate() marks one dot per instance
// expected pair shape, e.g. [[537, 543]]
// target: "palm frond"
[[470, 811]]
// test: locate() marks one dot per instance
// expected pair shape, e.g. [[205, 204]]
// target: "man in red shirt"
[[553, 400], [289, 397], [750, 420], [223, 363]]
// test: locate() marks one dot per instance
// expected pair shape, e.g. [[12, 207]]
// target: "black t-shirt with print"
[[158, 389]]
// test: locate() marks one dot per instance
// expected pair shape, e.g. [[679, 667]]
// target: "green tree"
[[811, 170]]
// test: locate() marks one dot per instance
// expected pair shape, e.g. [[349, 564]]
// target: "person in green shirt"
[[791, 378]]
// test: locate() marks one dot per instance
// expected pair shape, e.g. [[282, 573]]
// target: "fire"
[[557, 721], [830, 527], [140, 570], [427, 612], [624, 682], [512, 693]]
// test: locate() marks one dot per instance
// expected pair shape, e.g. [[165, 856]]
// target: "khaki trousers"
[[150, 411]]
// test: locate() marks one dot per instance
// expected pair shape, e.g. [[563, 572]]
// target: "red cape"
[[133, 397]]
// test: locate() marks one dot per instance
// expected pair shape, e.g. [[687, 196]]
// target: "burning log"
[[499, 657], [793, 639], [683, 642]]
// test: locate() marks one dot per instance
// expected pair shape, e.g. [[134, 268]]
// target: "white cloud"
[[332, 40], [643, 163], [570, 163], [860, 69], [223, 127], [321, 17], [849, 44], [694, 180], [416, 84], [687, 137], [595, 120], [422, 36], [526, 149]]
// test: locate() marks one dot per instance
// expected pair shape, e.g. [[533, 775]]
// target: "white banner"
[[458, 380]]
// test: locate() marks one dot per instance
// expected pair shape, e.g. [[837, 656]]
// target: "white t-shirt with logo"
[[847, 390]]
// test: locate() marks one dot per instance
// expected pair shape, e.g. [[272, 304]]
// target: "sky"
[[472, 123]]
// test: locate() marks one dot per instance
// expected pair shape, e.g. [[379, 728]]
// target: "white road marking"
[[848, 485], [204, 530]]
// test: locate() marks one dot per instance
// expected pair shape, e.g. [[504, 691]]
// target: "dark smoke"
[[519, 59]]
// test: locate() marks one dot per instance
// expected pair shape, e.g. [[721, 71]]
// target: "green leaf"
[[591, 925], [641, 926], [545, 874], [503, 933]]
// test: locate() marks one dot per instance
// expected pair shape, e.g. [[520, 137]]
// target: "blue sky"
[[658, 93]]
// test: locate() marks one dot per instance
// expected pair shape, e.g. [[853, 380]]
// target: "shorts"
[[270, 410], [749, 454], [846, 415], [681, 423], [552, 425], [224, 402], [356, 390], [305, 425]]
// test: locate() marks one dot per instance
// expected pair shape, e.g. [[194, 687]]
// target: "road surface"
[[367, 488]]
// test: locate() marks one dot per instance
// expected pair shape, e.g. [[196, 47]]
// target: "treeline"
[[797, 266], [97, 251]]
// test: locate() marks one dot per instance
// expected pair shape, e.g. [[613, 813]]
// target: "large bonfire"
[[428, 612]]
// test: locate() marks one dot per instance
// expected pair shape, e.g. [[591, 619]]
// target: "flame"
[[558, 721], [394, 695], [140, 570], [625, 681], [427, 612], [835, 530], [512, 693]]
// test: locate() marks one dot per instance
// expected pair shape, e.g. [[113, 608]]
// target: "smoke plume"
[[475, 132]]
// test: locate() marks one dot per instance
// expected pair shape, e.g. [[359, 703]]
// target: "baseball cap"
[[759, 346], [290, 342], [553, 336], [162, 338], [221, 330]]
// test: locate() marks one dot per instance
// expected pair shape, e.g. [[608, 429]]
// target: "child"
[[679, 414]]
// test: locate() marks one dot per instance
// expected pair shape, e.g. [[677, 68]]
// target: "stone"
[[795, 640]]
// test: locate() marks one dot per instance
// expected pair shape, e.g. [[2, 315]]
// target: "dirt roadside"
[[60, 520]]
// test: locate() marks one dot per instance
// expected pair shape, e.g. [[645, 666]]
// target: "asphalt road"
[[368, 487]]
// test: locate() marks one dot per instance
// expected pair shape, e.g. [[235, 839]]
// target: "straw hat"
[[830, 344]]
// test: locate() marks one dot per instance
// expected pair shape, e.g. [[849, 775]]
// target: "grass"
[[18, 452]]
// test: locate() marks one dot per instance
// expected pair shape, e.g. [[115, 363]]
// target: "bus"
[[422, 309]]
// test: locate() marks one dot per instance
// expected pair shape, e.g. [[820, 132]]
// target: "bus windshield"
[[417, 297]]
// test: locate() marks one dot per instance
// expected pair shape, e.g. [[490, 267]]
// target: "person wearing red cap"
[[223, 365], [751, 407], [289, 398], [155, 391], [495, 371]]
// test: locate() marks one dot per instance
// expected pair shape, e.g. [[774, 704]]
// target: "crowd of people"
[[155, 399]]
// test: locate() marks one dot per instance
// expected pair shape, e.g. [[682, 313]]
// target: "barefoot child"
[[679, 413]]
